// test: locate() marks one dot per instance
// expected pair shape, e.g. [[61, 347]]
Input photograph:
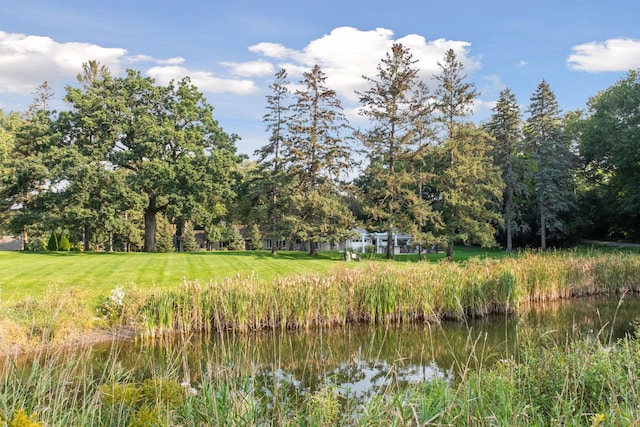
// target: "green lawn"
[[32, 273]]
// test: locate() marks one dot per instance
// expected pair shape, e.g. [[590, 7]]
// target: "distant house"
[[358, 243], [10, 243]]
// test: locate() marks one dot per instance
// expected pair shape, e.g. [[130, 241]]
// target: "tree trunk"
[[25, 242], [450, 250], [543, 228], [390, 244], [179, 237], [509, 240], [313, 250], [149, 230], [86, 241], [419, 253]]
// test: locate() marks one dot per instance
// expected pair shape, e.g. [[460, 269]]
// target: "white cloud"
[[522, 63], [204, 80], [171, 61], [620, 54], [346, 54], [253, 68], [26, 60]]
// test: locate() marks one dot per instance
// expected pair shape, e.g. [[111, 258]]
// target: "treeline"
[[136, 166]]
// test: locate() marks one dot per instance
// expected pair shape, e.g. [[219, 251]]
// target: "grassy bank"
[[584, 383], [366, 292]]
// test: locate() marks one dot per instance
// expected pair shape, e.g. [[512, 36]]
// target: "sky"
[[232, 49]]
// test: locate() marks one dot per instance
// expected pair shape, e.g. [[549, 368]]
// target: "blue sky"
[[231, 49]]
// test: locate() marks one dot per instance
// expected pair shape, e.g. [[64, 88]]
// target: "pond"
[[362, 360]]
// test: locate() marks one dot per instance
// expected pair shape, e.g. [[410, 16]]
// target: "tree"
[[610, 148], [398, 106], [455, 95], [317, 156], [164, 240], [552, 161], [190, 244], [270, 183], [9, 125], [469, 188], [53, 242], [467, 185], [176, 157], [256, 237], [29, 176], [507, 153]]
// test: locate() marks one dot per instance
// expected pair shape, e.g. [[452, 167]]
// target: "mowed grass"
[[31, 274]]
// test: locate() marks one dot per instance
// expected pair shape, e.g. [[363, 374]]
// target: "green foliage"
[[256, 237], [236, 241], [190, 244], [53, 242], [552, 162], [609, 144], [164, 235], [505, 128], [64, 244], [398, 106]]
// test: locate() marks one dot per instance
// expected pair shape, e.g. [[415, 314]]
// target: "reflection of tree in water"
[[363, 360]]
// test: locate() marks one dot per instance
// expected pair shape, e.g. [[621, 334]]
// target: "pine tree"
[[269, 185], [467, 185], [317, 157], [505, 127], [552, 161], [399, 108], [52, 245], [256, 237], [164, 235], [455, 95], [190, 243]]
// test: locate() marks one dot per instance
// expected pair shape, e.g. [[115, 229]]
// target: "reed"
[[390, 293]]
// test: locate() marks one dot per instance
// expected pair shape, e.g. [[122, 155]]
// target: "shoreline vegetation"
[[585, 381], [347, 293]]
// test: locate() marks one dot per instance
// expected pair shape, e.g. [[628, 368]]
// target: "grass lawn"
[[32, 273]]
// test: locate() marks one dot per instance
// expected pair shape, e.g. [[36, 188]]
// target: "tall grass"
[[387, 293]]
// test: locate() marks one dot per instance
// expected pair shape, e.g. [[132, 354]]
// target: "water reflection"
[[363, 360]]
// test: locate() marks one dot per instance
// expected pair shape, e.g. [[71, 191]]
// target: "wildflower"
[[598, 419]]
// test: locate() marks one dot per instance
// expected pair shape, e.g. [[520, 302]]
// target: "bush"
[[53, 242], [64, 244]]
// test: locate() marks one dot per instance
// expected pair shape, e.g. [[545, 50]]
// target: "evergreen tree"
[[164, 237], [455, 95], [256, 237], [507, 153], [52, 245], [467, 185], [470, 189], [551, 161], [64, 244], [269, 184], [399, 108], [236, 241], [317, 157], [190, 243]]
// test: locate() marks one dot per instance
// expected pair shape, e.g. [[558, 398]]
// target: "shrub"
[[53, 242], [64, 244]]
